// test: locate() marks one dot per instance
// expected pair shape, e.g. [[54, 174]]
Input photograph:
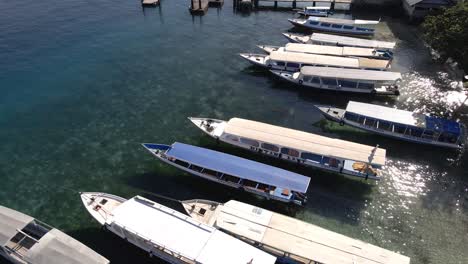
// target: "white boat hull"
[[304, 24], [343, 121], [343, 170], [287, 76]]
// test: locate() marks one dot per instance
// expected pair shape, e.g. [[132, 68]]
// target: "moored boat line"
[[26, 240], [340, 156], [288, 238], [293, 61], [328, 50], [168, 234], [344, 80], [254, 177], [337, 25], [400, 124], [342, 41]]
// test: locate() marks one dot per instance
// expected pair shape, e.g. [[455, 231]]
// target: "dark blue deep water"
[[83, 82]]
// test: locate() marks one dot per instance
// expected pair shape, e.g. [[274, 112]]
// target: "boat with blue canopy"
[[400, 124], [337, 25], [254, 177]]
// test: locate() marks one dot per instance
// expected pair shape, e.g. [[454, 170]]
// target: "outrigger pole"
[[371, 157]]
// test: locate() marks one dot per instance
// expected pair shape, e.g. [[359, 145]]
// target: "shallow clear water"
[[83, 83]]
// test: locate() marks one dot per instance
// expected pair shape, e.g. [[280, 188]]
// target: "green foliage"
[[447, 32]]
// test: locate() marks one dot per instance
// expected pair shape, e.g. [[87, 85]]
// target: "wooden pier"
[[256, 3], [199, 7]]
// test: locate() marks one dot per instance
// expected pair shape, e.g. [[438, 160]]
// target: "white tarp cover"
[[10, 221], [351, 74], [387, 113], [181, 233], [299, 238], [350, 41], [314, 59], [56, 247]]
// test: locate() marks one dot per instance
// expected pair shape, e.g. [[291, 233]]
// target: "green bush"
[[447, 32]]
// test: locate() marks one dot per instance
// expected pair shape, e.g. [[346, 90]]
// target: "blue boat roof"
[[443, 125], [240, 167]]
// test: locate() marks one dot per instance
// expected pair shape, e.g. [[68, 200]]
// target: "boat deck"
[[275, 232], [164, 227], [304, 141]]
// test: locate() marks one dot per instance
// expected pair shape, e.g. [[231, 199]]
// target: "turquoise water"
[[84, 82]]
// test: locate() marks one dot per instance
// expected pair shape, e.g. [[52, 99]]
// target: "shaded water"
[[84, 82]]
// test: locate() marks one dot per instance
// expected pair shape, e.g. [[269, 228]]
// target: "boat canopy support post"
[[371, 156], [294, 4]]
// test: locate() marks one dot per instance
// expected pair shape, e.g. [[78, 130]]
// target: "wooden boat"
[[296, 146], [292, 240], [318, 11], [293, 61], [328, 50], [399, 124], [26, 240], [337, 25], [344, 80], [250, 176], [168, 234]]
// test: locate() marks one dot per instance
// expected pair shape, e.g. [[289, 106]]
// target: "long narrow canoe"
[[308, 149], [400, 124], [254, 177]]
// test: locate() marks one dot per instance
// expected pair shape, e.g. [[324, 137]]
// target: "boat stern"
[[100, 205], [212, 127]]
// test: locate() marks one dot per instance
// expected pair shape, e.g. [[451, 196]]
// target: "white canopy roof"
[[334, 61], [303, 141], [299, 238], [181, 233], [343, 21], [387, 113], [56, 247], [351, 74], [329, 50], [350, 41], [10, 221]]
